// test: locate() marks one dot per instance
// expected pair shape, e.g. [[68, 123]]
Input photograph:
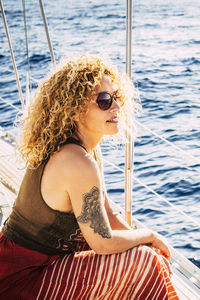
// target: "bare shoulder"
[[73, 162]]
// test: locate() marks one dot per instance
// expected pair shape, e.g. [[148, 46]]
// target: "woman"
[[62, 239]]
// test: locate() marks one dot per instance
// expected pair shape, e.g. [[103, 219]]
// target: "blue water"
[[165, 67]]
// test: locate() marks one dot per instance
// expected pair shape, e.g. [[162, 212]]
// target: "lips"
[[113, 120]]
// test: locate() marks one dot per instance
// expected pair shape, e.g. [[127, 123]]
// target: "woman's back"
[[56, 176], [38, 220]]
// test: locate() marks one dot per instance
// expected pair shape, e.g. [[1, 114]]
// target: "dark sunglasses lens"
[[104, 101]]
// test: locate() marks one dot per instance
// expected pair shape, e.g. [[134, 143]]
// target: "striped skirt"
[[139, 273]]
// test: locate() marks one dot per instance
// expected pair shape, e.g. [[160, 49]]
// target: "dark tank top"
[[34, 225]]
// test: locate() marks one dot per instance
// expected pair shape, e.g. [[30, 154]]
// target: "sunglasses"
[[105, 100]]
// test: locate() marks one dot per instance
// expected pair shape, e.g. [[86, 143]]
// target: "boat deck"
[[186, 277]]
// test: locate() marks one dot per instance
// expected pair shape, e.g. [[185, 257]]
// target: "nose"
[[115, 106]]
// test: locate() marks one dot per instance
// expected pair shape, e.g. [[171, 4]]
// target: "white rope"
[[12, 54], [169, 143], [47, 33], [12, 105], [155, 193], [26, 36], [28, 83]]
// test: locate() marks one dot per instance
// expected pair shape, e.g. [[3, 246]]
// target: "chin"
[[113, 131]]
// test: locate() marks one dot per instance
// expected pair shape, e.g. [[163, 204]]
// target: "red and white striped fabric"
[[139, 273]]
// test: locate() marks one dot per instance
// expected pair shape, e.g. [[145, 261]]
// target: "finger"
[[166, 253], [167, 265]]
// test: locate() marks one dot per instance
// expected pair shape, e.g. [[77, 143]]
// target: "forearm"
[[122, 240]]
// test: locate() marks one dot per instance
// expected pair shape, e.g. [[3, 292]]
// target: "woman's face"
[[102, 122]]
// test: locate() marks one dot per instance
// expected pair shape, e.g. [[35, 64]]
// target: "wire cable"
[[21, 72], [12, 54], [26, 40], [169, 143], [156, 194], [10, 104], [47, 33], [26, 34]]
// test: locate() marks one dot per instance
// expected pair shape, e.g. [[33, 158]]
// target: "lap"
[[81, 275]]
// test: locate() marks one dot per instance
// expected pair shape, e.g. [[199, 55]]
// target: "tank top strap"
[[72, 140]]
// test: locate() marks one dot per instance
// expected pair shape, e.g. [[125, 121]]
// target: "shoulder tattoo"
[[92, 212]]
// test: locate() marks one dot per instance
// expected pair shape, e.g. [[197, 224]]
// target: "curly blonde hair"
[[63, 95]]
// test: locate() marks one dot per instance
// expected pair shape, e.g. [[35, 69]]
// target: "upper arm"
[[85, 190]]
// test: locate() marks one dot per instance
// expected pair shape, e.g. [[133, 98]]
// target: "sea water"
[[165, 68]]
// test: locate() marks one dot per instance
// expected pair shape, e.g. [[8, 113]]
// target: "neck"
[[90, 142]]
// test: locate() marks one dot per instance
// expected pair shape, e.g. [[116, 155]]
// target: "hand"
[[160, 243]]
